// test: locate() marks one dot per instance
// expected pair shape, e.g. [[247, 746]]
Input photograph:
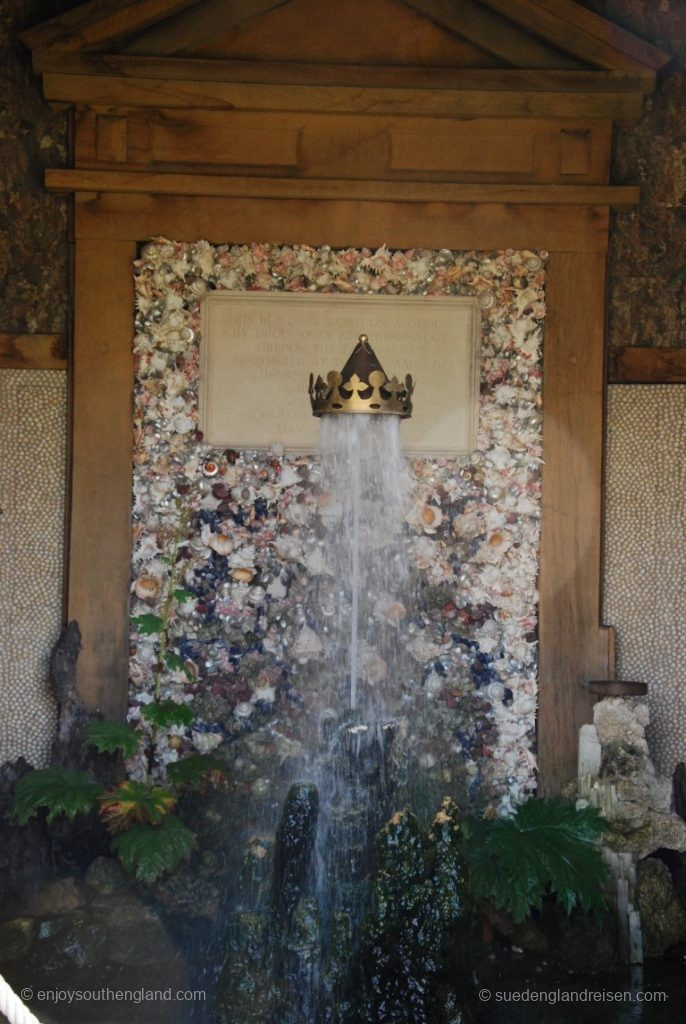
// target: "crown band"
[[362, 386]]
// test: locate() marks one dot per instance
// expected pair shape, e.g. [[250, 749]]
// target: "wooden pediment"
[[388, 98], [553, 35]]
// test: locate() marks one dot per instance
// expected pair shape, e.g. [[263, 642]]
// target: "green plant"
[[547, 846], [59, 790], [148, 852], [148, 839]]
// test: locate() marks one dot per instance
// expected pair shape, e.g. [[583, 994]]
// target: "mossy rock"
[[663, 919]]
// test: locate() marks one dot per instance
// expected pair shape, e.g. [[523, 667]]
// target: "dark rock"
[[57, 898], [526, 934], [25, 850], [106, 876], [294, 844], [16, 937], [134, 932], [190, 893], [679, 789], [663, 919]]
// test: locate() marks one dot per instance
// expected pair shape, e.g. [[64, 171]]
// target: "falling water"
[[351, 773], [365, 498], [359, 607]]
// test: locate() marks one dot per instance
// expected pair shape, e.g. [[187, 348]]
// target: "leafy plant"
[[59, 790], [146, 836], [163, 713], [133, 803], [148, 851], [196, 770], [546, 846], [113, 737]]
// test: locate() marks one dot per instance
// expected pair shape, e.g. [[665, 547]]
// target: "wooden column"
[[100, 528], [574, 648]]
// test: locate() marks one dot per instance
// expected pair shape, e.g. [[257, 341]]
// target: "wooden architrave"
[[131, 183]]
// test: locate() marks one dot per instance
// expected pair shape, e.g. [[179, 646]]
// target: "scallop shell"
[[147, 588], [431, 517], [220, 543], [243, 575]]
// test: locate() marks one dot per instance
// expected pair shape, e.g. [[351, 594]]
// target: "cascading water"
[[314, 930], [358, 607]]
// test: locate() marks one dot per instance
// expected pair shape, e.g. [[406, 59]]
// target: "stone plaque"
[[258, 349]]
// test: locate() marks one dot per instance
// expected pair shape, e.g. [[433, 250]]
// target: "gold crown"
[[362, 386]]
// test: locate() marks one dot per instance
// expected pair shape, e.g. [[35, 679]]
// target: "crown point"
[[364, 338]]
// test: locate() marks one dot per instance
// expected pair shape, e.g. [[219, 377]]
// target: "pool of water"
[[512, 990]]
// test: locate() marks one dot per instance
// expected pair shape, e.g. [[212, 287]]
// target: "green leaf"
[[167, 712], [148, 851], [147, 624], [183, 595], [174, 662], [60, 790], [548, 845], [109, 737], [195, 770], [134, 802]]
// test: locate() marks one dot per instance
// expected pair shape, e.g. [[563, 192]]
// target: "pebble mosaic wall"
[[645, 555], [239, 526], [33, 413]]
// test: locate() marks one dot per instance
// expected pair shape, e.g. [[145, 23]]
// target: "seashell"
[[243, 710], [242, 575], [307, 645], [265, 693], [427, 761], [392, 612], [147, 588], [431, 517], [434, 684], [220, 543], [210, 468]]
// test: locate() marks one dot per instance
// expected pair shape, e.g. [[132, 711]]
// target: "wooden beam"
[[99, 22], [618, 197], [100, 527], [548, 22], [190, 28], [200, 69], [113, 92], [344, 223], [33, 352], [491, 33], [639, 365], [574, 647], [602, 28]]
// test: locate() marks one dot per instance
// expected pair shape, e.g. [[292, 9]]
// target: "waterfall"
[[366, 486], [363, 600]]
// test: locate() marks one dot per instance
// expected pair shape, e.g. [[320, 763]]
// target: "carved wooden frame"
[[130, 184]]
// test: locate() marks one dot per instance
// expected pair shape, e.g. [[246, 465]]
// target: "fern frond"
[[59, 790], [110, 737], [148, 851]]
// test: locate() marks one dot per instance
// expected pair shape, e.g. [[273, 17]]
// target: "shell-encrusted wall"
[[33, 413], [645, 554], [241, 528]]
